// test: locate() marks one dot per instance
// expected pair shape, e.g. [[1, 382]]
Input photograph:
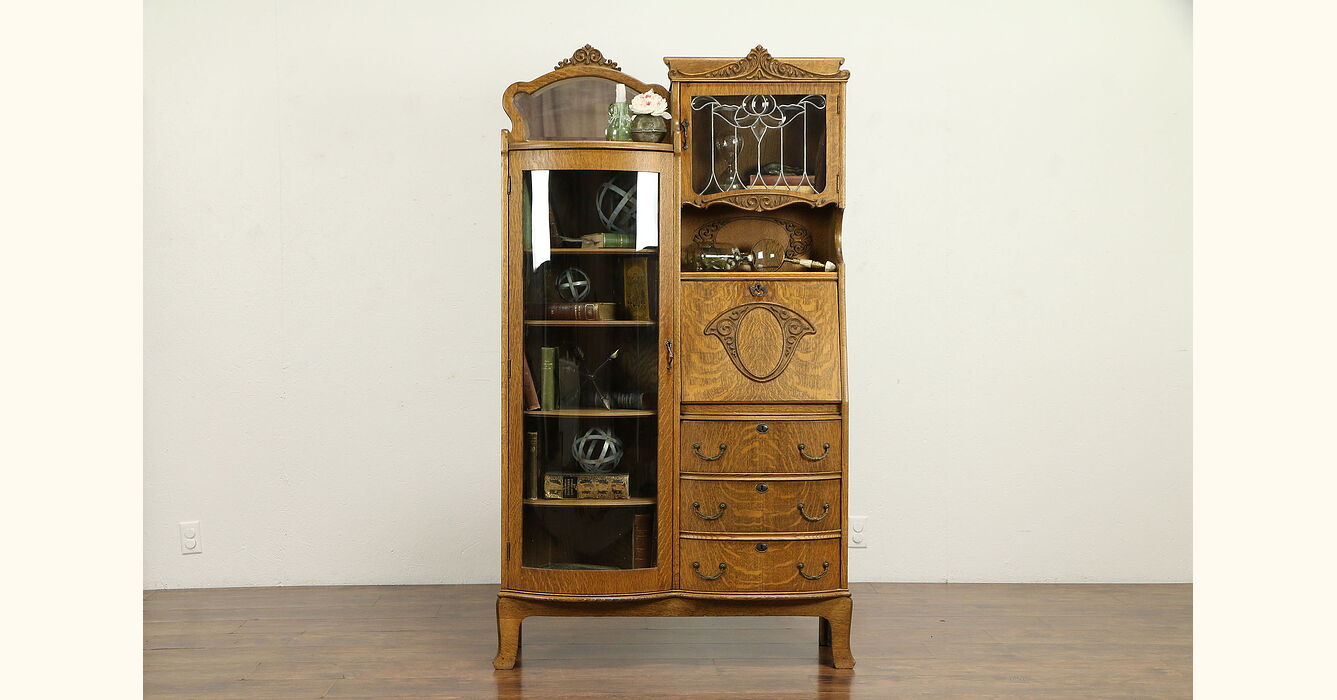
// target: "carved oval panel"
[[760, 338], [762, 351]]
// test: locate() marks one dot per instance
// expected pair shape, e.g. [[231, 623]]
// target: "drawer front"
[[761, 565], [766, 447], [759, 505], [760, 340]]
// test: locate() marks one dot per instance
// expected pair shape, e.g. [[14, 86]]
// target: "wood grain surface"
[[946, 640], [747, 568], [736, 505], [712, 373], [749, 450]]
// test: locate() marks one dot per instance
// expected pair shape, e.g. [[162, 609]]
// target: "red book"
[[531, 393]]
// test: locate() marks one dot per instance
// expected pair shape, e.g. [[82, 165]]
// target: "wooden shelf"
[[768, 276], [606, 145], [592, 413], [589, 502], [600, 251], [590, 323]]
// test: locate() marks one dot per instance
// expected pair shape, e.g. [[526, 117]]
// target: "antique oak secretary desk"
[[674, 432]]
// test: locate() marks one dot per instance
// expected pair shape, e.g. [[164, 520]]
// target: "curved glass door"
[[589, 274]]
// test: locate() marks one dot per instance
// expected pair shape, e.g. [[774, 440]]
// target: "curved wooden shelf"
[[592, 413], [594, 145], [590, 323], [589, 502], [768, 276], [600, 251]]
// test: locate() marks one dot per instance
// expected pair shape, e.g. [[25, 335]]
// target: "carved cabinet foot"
[[508, 635], [838, 624]]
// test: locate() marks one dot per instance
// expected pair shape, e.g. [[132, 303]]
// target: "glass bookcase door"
[[574, 109], [591, 347], [758, 140]]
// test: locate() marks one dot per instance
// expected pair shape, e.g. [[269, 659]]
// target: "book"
[[583, 485], [786, 180], [568, 382], [801, 184], [533, 465], [636, 288], [531, 392], [581, 311], [608, 240], [642, 539], [548, 378]]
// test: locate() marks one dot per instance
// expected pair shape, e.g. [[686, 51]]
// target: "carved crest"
[[792, 328], [799, 240], [587, 56], [759, 64]]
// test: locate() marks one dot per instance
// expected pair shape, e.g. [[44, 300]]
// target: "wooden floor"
[[955, 640]]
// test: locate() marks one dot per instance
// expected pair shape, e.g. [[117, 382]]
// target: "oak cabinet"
[[674, 441]]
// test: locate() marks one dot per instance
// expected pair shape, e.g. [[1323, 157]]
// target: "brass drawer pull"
[[696, 508], [803, 450], [826, 566], [826, 510], [696, 566], [696, 447]]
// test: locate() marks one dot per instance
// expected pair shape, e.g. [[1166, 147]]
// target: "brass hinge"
[[508, 184]]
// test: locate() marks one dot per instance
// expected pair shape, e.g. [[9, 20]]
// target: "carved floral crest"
[[759, 64], [587, 56]]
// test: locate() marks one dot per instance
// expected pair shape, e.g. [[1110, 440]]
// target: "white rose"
[[650, 103]]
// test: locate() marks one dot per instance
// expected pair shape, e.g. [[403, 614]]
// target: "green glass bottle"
[[619, 122]]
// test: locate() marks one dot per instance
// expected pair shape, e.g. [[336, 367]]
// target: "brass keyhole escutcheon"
[[761, 547], [763, 428], [757, 289], [762, 488]]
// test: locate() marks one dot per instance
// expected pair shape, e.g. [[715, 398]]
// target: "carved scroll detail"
[[792, 325], [758, 64], [799, 242], [587, 56]]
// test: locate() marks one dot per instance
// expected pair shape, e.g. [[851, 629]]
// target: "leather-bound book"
[[642, 541], [531, 392], [636, 288], [582, 311], [548, 378]]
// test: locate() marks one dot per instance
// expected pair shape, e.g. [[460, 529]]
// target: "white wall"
[[321, 292]]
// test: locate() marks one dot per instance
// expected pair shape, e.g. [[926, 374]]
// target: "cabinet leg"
[[823, 632], [841, 612], [508, 634]]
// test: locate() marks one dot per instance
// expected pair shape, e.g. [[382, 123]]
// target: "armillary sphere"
[[573, 284]]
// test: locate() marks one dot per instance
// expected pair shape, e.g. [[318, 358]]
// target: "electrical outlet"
[[190, 537], [858, 531]]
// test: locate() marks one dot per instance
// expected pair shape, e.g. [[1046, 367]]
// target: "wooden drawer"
[[759, 340], [765, 446], [762, 565], [759, 505]]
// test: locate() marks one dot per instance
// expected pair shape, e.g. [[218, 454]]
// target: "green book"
[[534, 466], [548, 378]]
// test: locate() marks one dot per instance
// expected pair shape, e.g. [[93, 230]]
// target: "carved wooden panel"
[[760, 447], [759, 505], [757, 341], [759, 564]]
